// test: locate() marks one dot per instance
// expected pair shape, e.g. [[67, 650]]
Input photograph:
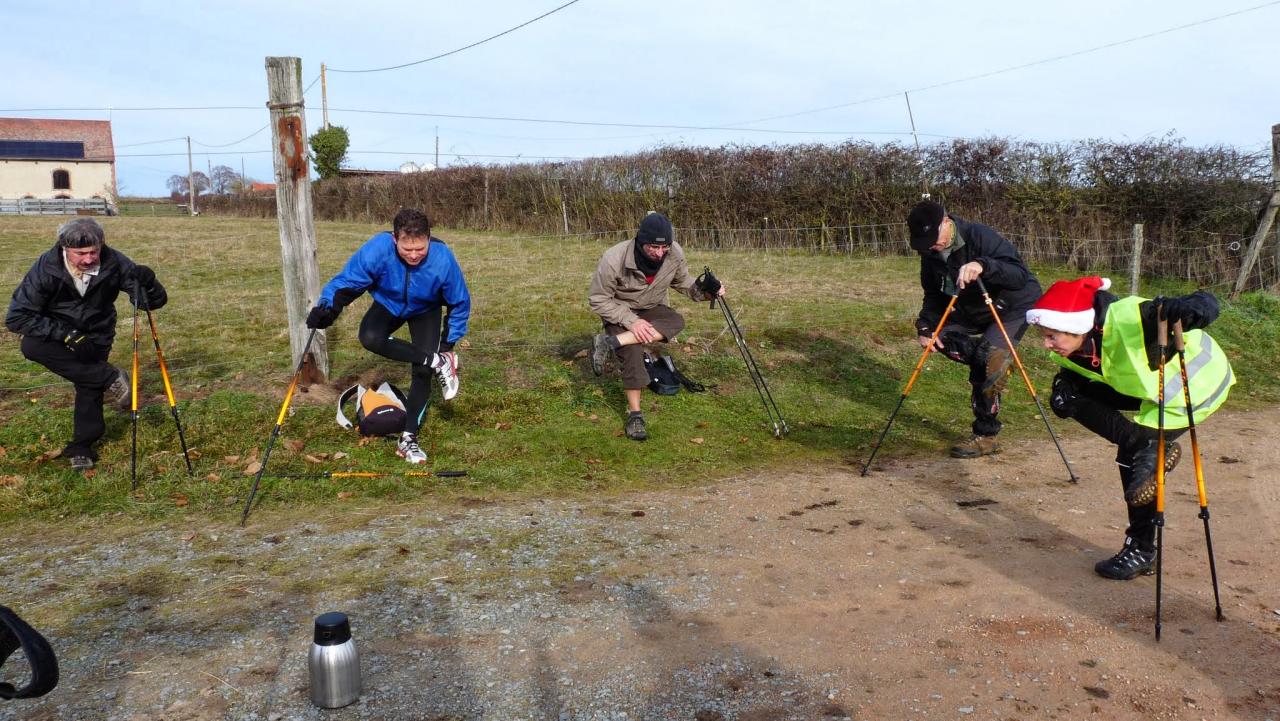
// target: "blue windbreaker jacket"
[[404, 290]]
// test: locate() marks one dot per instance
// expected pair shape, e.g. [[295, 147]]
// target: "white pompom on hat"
[[1068, 305]]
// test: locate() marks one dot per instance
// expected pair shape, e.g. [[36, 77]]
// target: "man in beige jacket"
[[629, 293]]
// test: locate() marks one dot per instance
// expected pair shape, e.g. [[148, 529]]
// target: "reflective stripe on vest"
[[1124, 368]]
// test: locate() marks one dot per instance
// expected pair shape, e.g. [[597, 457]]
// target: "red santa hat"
[[1068, 305]]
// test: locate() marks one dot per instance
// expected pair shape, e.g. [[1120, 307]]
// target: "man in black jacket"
[[65, 311], [953, 255]]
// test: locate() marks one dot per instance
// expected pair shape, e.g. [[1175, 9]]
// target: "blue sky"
[[658, 62]]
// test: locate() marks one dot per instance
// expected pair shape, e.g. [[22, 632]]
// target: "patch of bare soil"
[[933, 588]]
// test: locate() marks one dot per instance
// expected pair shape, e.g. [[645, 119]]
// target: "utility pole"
[[324, 97], [437, 147], [242, 188], [924, 182], [294, 209], [191, 181]]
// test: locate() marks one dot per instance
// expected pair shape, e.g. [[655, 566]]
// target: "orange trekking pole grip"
[[910, 382], [1180, 345], [284, 408], [1026, 378]]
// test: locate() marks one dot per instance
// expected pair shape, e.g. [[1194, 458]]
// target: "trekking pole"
[[1162, 343], [766, 398], [986, 297], [910, 382], [133, 404], [284, 408], [1195, 451], [168, 388]]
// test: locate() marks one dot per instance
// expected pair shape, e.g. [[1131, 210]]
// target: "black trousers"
[[971, 343], [91, 377], [1097, 406], [424, 333]]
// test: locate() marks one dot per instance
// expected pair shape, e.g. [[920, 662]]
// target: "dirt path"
[[808, 595]]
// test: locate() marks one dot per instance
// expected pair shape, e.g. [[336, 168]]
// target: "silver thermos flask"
[[333, 664]]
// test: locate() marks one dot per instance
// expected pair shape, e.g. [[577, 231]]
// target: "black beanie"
[[923, 222], [655, 229]]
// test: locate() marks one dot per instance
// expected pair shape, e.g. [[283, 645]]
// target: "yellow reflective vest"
[[1124, 368]]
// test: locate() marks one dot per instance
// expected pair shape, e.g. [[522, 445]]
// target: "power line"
[[1012, 68], [153, 142], [465, 47], [241, 140], [552, 121]]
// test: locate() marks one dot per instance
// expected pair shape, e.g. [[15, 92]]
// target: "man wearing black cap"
[[629, 293], [953, 255]]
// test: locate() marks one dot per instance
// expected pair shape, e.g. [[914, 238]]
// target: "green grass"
[[831, 333]]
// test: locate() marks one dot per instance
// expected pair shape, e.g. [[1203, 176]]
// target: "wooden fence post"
[[293, 206], [1267, 218], [1135, 270]]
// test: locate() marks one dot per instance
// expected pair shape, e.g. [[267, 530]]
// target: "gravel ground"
[[931, 589]]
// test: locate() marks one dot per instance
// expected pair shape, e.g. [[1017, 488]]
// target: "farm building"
[[71, 160]]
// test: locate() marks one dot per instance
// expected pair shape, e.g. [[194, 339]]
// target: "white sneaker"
[[408, 449], [446, 367]]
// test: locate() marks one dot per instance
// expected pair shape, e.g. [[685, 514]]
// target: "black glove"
[[707, 283], [79, 344], [143, 276], [322, 316]]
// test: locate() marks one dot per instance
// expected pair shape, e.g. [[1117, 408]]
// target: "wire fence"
[[525, 287]]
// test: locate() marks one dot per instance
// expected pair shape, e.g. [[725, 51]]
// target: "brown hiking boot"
[[976, 447]]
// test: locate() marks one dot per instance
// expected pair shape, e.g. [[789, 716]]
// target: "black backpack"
[[665, 380]]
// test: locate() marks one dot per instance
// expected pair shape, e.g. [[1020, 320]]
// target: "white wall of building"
[[34, 178]]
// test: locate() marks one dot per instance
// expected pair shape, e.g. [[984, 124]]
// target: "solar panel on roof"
[[51, 149]]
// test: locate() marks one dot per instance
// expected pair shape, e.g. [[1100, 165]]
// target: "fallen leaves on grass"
[[252, 468], [502, 426], [231, 460], [339, 455], [180, 500], [49, 456], [344, 495], [213, 477], [188, 536], [294, 445], [698, 440], [11, 481], [315, 459]]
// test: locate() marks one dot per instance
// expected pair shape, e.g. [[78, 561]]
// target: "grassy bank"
[[832, 334]]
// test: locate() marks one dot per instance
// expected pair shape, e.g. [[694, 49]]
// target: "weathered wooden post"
[[1135, 269], [293, 207], [1266, 219]]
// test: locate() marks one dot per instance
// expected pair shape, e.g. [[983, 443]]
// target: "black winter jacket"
[[1014, 288], [1196, 311], [47, 305]]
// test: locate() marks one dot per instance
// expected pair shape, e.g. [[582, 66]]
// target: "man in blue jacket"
[[411, 277], [953, 255]]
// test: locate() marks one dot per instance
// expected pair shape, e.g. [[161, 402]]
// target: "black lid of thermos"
[[332, 629]]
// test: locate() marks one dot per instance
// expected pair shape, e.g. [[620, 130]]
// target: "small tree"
[[329, 150], [224, 179]]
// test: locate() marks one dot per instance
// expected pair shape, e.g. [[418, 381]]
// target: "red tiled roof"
[[95, 134], [261, 187]]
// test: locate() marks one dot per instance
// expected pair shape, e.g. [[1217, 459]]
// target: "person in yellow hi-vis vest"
[[1109, 357]]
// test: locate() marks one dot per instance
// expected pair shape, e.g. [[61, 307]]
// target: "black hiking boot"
[[1129, 563], [635, 426], [1141, 490]]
